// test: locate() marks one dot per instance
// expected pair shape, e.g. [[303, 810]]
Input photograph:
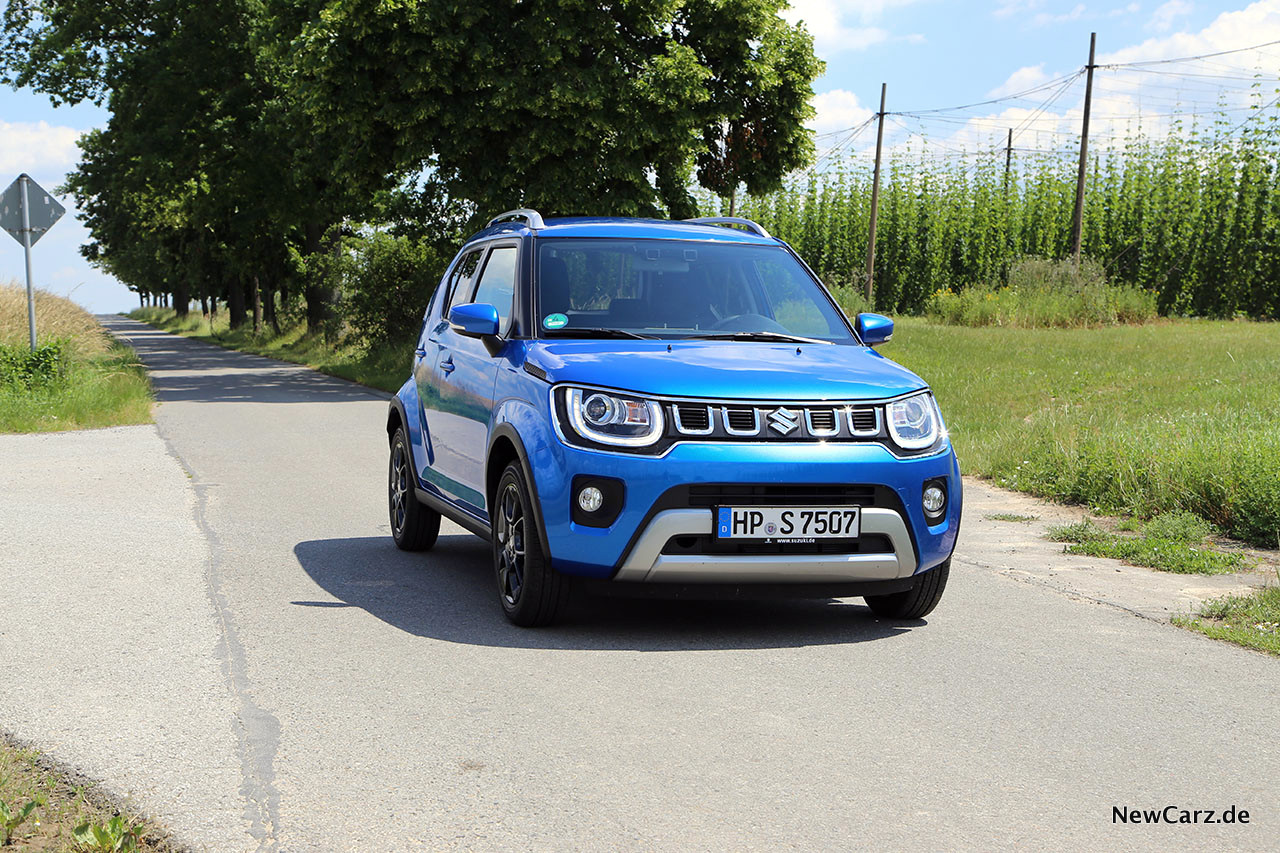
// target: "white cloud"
[[1163, 18], [837, 110], [1044, 18], [1020, 80], [1255, 24], [1008, 8], [37, 147], [841, 25]]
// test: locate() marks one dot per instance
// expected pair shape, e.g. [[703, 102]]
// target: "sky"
[[931, 54]]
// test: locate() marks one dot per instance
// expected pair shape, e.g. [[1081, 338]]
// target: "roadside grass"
[[1134, 420], [1171, 542], [79, 379], [1012, 516], [1252, 621], [385, 368], [57, 806]]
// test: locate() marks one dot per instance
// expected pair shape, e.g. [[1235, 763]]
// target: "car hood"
[[725, 369]]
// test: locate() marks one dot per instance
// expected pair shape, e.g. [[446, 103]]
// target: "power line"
[[1144, 62]]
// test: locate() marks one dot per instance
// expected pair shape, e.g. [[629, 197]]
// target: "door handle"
[[420, 352], [446, 366]]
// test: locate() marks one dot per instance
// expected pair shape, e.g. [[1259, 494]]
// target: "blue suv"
[[644, 406]]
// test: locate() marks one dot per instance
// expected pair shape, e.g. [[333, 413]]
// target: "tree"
[[754, 133], [568, 107]]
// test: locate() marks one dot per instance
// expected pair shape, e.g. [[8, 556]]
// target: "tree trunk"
[[182, 298], [314, 291], [257, 306], [733, 200], [269, 310], [235, 303]]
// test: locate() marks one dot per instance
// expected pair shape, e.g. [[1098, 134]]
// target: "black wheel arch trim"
[[509, 432], [437, 502]]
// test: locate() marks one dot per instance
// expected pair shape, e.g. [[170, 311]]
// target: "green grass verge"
[[1133, 420], [1252, 621], [94, 390], [386, 368], [1171, 542], [47, 807]]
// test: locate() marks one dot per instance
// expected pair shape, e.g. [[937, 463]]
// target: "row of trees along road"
[[250, 141]]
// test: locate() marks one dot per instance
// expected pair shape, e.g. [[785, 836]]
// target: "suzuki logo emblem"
[[784, 420]]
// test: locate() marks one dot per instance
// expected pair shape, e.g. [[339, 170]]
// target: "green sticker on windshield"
[[555, 321]]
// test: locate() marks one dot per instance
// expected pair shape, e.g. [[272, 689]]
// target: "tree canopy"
[[247, 135]]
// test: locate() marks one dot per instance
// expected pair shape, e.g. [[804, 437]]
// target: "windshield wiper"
[[602, 333], [760, 336]]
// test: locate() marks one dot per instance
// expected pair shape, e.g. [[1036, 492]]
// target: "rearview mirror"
[[873, 328], [475, 320]]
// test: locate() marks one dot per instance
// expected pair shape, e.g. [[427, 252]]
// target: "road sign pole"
[[26, 247]]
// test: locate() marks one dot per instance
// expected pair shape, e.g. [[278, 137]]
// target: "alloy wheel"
[[511, 545]]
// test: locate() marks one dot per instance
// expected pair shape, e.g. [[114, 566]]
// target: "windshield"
[[680, 289]]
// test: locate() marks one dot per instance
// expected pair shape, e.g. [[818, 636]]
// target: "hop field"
[[1191, 219]]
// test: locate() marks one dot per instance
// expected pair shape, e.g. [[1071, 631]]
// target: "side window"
[[460, 281], [498, 283]]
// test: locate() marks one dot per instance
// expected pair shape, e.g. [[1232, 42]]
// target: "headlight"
[[610, 418], [914, 422]]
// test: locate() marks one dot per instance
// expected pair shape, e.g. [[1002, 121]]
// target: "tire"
[[414, 525], [917, 602], [531, 592]]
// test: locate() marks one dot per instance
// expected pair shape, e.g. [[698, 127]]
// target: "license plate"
[[796, 523]]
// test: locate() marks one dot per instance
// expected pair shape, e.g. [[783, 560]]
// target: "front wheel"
[[414, 526], [914, 603], [531, 591]]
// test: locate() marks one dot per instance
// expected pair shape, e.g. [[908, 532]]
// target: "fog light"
[[590, 499], [935, 498]]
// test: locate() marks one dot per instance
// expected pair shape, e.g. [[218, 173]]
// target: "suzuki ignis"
[[669, 407]]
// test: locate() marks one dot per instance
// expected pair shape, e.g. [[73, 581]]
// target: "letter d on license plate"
[[787, 522]]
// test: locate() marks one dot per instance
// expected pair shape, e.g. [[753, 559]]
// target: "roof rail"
[[532, 217], [753, 227]]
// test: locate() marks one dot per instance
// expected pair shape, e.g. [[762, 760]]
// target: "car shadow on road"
[[449, 594]]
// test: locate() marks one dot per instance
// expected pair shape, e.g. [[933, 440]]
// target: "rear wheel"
[[414, 525], [531, 591], [914, 603]]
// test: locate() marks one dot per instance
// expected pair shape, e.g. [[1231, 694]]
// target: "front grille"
[[693, 419], [741, 420], [712, 421], [864, 421], [823, 422], [748, 494]]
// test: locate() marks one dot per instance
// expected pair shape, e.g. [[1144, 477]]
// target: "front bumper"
[[645, 562], [640, 545]]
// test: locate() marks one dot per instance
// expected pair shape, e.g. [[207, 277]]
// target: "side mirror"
[[475, 320], [873, 328]]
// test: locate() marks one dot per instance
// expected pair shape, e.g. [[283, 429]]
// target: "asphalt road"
[[375, 700]]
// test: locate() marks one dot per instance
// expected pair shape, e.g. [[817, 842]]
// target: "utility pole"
[[1008, 158], [875, 203], [1077, 221]]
